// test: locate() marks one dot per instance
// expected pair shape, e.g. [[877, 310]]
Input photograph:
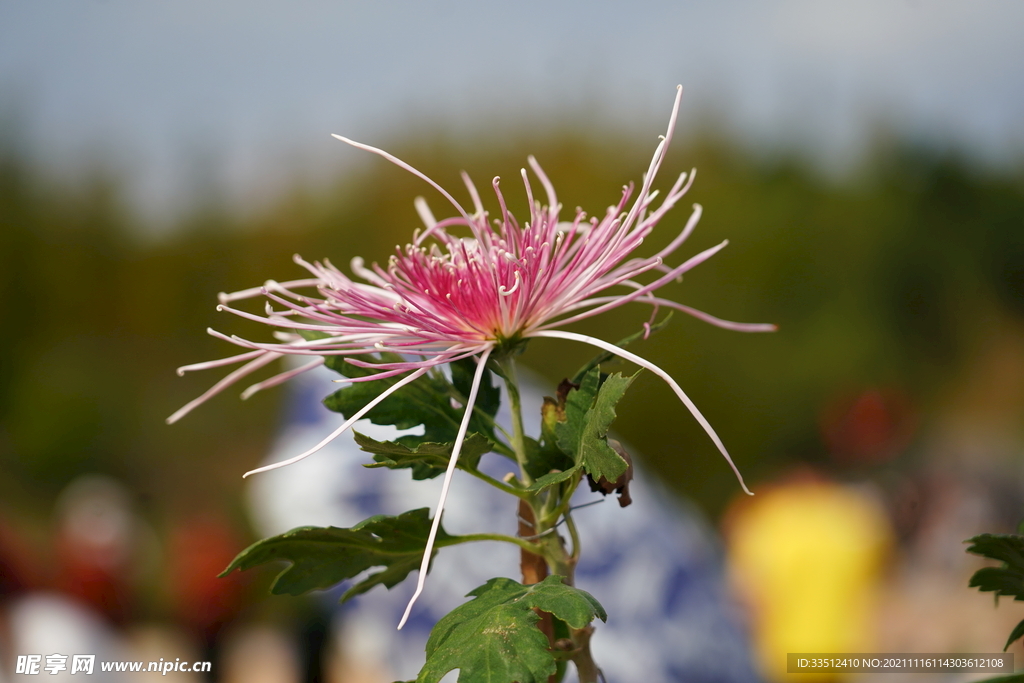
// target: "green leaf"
[[589, 413], [426, 460], [1017, 632], [552, 479], [1007, 548], [544, 456], [1010, 678], [426, 401], [1005, 580], [494, 637], [606, 356], [488, 397], [578, 402], [1001, 581], [321, 557]]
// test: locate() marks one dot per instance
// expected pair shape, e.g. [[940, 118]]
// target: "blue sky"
[[243, 94]]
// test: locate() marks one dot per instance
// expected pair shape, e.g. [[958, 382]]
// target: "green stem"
[[574, 534], [504, 450], [564, 501], [472, 538], [586, 668], [511, 490], [547, 510], [508, 367]]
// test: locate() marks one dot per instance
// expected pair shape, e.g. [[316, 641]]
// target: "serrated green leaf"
[[589, 413], [488, 397], [1005, 580], [572, 421], [1000, 580], [1007, 548], [426, 460], [494, 637], [321, 557], [544, 456], [1017, 632], [426, 401], [552, 479]]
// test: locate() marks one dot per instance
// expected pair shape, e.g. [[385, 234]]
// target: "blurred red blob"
[[20, 569], [868, 428], [198, 550], [97, 546]]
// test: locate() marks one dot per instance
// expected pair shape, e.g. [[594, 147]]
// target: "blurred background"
[[865, 160]]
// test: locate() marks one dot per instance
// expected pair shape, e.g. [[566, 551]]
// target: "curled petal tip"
[[220, 307]]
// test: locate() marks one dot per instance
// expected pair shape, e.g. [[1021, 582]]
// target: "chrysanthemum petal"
[[644, 363], [456, 450], [223, 384], [344, 425]]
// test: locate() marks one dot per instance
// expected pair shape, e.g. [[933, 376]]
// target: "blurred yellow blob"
[[807, 557]]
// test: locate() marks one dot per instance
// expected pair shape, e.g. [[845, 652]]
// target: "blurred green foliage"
[[885, 278]]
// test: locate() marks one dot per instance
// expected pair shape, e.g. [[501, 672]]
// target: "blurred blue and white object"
[[655, 565]]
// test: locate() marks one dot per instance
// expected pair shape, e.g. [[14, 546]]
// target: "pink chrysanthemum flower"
[[444, 297]]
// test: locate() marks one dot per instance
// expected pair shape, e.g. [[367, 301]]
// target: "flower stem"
[[511, 490], [545, 553], [508, 367], [574, 534], [471, 538]]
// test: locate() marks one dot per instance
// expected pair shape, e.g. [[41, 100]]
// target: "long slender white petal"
[[690, 263], [218, 363], [696, 313], [280, 378], [220, 386], [345, 425], [425, 564], [401, 164], [644, 363]]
